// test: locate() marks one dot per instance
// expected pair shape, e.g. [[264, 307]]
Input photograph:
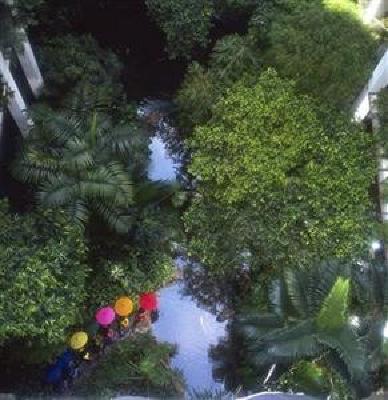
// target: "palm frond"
[[333, 313], [116, 140], [58, 191], [77, 154], [78, 212], [35, 167], [286, 344], [296, 290], [64, 127], [348, 347], [109, 183], [121, 223], [320, 281]]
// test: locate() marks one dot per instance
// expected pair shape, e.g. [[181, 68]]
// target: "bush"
[[324, 47], [42, 275], [67, 61], [130, 367], [142, 271], [275, 184], [233, 57]]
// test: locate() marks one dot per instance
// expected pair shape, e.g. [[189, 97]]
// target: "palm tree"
[[79, 164], [312, 323]]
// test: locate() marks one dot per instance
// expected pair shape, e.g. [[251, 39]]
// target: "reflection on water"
[[181, 321], [161, 167], [194, 330]]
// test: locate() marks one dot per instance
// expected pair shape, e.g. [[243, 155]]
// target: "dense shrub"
[[233, 57], [68, 61], [274, 183], [140, 271], [131, 366], [42, 275], [324, 47]]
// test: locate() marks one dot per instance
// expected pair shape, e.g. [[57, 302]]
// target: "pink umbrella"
[[105, 316]]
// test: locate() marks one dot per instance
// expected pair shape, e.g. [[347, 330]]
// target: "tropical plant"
[[314, 325], [275, 177], [314, 379], [79, 164], [131, 366], [42, 275]]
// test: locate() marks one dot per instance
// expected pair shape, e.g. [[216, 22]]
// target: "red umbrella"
[[148, 301]]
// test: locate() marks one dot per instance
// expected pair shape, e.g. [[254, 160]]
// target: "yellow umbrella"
[[123, 306], [78, 340]]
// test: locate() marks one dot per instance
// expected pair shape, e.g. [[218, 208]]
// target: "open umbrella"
[[54, 375], [65, 359], [123, 306], [105, 316], [78, 340], [148, 301]]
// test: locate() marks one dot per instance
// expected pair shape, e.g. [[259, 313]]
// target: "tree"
[[185, 23], [86, 64], [79, 164], [42, 275], [323, 46], [233, 57], [279, 180], [314, 326]]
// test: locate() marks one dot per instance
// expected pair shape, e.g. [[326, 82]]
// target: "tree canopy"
[[185, 23], [279, 179], [323, 46]]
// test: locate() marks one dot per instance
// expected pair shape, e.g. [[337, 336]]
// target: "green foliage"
[[195, 98], [381, 104], [140, 271], [275, 182], [307, 377], [333, 313], [310, 334], [185, 23], [233, 58], [10, 37], [27, 11], [69, 61], [324, 47], [79, 164], [315, 379], [132, 365], [42, 275]]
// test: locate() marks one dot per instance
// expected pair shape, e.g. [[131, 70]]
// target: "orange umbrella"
[[123, 306]]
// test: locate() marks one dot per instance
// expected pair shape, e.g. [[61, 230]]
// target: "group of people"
[[111, 324]]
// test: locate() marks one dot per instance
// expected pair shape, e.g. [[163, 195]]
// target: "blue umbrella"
[[65, 359], [54, 375]]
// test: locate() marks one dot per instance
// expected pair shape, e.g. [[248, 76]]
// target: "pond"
[[182, 322]]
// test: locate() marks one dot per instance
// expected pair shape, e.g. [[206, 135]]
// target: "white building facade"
[[22, 81]]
